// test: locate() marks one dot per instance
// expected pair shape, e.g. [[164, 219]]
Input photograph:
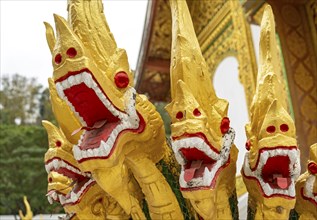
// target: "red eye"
[[58, 143], [225, 124], [196, 112], [312, 167], [284, 127], [50, 179], [179, 115], [270, 129], [71, 52], [248, 145], [121, 79], [58, 58]]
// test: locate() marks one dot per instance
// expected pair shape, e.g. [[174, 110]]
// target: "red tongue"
[[190, 173], [97, 125], [282, 182]]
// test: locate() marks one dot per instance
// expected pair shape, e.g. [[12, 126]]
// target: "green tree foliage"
[[22, 169], [160, 107], [45, 107], [19, 99]]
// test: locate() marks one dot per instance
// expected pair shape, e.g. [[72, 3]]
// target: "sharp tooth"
[[98, 91], [105, 148], [56, 164], [77, 153], [84, 154], [54, 195], [78, 79], [292, 156], [50, 200], [71, 80], [182, 181], [47, 168], [88, 80], [60, 92], [96, 152], [90, 153], [73, 196], [279, 152], [266, 188], [206, 177], [65, 84], [61, 199]]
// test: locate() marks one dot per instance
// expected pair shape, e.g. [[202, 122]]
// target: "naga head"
[[67, 185], [306, 187], [271, 164], [201, 136], [92, 76]]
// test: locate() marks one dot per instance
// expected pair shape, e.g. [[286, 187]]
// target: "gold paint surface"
[[130, 167], [306, 189], [192, 92], [268, 110]]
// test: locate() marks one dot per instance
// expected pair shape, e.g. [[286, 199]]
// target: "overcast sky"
[[23, 43]]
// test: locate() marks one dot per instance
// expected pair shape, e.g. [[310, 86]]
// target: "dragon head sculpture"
[[306, 188], [79, 194], [99, 110], [271, 164], [92, 76], [201, 137]]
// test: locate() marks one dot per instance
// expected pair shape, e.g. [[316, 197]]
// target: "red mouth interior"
[[276, 172], [93, 138], [88, 105], [196, 163], [78, 180]]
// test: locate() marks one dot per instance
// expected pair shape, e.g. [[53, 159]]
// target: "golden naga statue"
[[271, 164], [28, 212], [306, 188], [79, 194], [116, 135], [201, 137]]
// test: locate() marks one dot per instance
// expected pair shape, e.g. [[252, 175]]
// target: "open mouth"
[[308, 190], [81, 182], [276, 170], [200, 162], [102, 122]]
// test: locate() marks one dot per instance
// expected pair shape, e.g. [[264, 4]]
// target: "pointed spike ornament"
[[50, 36]]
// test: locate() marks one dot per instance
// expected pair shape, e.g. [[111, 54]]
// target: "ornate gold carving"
[[298, 41], [123, 135], [306, 188], [160, 39], [225, 32]]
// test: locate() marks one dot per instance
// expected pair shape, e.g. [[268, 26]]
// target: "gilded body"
[[201, 136], [271, 164], [306, 188], [118, 135], [76, 191]]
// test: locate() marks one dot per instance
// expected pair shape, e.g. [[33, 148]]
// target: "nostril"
[[270, 129], [196, 112], [58, 58], [71, 52], [58, 143], [312, 167], [50, 180], [179, 115], [284, 128]]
